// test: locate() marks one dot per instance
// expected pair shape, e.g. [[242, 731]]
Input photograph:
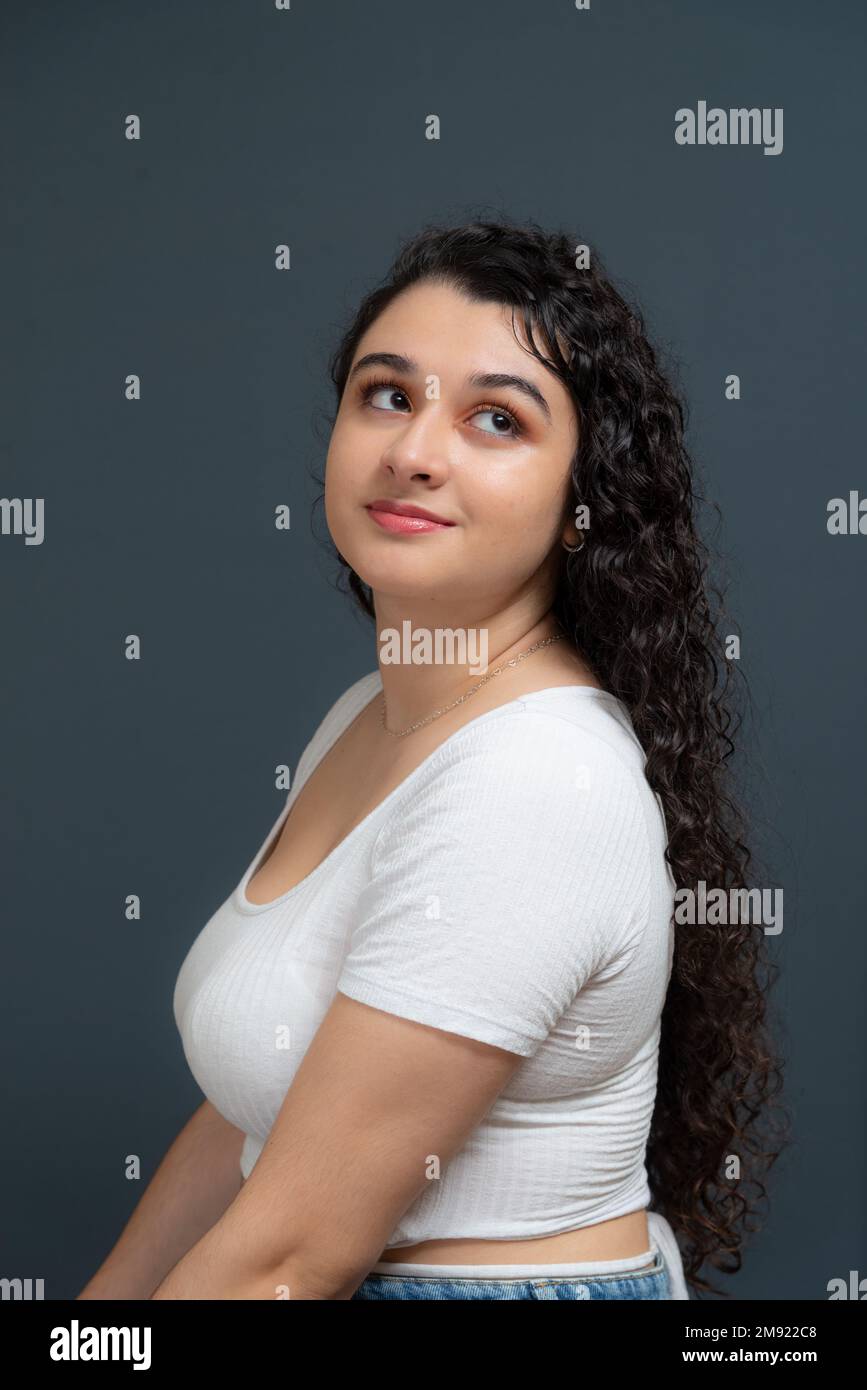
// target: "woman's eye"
[[387, 391], [503, 418]]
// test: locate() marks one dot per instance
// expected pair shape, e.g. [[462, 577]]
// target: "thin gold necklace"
[[402, 733]]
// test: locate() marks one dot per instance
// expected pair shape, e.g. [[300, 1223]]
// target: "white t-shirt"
[[511, 889]]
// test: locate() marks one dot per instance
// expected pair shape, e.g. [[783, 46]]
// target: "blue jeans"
[[652, 1282]]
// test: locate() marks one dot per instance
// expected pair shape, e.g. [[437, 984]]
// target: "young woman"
[[451, 1043]]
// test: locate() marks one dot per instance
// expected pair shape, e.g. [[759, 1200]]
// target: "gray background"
[[157, 777]]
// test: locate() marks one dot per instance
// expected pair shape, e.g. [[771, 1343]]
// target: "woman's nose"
[[420, 451]]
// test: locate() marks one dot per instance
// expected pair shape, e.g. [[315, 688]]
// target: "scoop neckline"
[[250, 909]]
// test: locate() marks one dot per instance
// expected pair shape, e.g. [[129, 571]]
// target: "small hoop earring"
[[573, 548]]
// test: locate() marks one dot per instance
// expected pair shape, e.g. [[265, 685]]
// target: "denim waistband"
[[628, 1264], [662, 1241]]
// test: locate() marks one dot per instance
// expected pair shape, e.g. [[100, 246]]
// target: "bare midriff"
[[618, 1239]]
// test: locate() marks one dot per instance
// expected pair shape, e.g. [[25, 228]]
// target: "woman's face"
[[491, 459]]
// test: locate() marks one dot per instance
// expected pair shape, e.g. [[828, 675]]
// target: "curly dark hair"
[[636, 601]]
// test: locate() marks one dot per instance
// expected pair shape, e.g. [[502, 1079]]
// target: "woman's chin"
[[405, 576]]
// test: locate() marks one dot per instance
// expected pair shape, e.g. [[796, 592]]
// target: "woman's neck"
[[423, 667]]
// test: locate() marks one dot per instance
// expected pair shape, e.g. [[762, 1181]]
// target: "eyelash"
[[382, 383]]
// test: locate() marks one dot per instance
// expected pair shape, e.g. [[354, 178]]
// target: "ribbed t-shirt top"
[[513, 889]]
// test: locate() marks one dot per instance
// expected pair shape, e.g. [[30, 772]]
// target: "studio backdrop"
[[196, 196]]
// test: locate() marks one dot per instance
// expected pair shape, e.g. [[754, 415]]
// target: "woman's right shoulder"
[[351, 702], [339, 716]]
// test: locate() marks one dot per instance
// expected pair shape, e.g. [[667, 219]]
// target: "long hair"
[[636, 600]]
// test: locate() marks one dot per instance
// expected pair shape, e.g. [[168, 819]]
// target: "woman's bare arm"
[[196, 1181]]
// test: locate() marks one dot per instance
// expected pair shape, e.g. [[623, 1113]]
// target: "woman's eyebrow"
[[490, 380]]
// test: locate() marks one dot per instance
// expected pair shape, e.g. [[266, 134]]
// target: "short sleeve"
[[515, 867]]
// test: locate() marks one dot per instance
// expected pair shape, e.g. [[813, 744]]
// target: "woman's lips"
[[406, 525]]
